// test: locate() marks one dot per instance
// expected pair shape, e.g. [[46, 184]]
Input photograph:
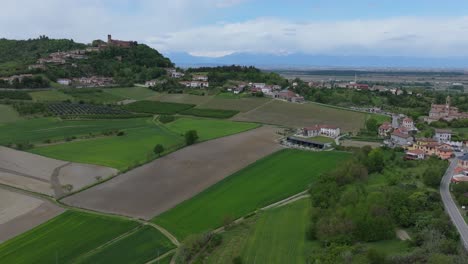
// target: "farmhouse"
[[408, 123], [321, 130], [290, 96], [195, 84], [120, 43], [258, 85], [401, 138], [173, 73], [385, 129]]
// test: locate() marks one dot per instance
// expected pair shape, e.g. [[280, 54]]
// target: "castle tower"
[[109, 38], [447, 103]]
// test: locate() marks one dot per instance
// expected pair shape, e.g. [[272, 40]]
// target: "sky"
[[419, 28]]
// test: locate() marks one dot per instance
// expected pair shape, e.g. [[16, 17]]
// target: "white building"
[[202, 78], [259, 85], [321, 130], [64, 81], [408, 123], [443, 135]]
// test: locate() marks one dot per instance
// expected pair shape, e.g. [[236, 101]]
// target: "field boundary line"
[[172, 251], [256, 108], [52, 200], [108, 243]]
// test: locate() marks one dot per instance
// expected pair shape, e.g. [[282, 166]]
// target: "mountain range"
[[299, 60]]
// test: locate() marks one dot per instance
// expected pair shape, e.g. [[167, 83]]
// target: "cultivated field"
[[143, 245], [19, 213], [300, 115], [181, 98], [50, 96], [8, 114], [208, 128], [275, 236], [135, 93], [210, 113], [63, 239], [155, 107], [120, 152], [266, 181], [240, 104], [92, 95], [47, 176], [162, 184], [41, 129]]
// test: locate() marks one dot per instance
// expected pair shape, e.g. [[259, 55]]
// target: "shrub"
[[191, 137], [166, 119]]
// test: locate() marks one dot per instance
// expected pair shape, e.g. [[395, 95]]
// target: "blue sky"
[[423, 28]]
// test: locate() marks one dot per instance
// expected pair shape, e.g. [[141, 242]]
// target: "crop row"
[[65, 109]]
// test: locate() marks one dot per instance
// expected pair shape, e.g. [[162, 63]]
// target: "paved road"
[[450, 206]]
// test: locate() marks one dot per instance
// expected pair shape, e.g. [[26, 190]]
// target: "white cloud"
[[396, 36], [180, 25]]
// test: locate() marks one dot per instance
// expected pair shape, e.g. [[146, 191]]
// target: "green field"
[[233, 103], [136, 93], [181, 98], [155, 107], [212, 113], [50, 95], [120, 152], [8, 114], [277, 236], [268, 180], [303, 115], [40, 129], [140, 247], [322, 139], [63, 238], [208, 128], [92, 95]]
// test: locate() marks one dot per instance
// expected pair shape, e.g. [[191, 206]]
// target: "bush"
[[191, 137], [166, 119], [158, 149]]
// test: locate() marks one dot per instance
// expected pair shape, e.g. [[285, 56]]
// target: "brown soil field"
[[162, 184], [19, 213], [45, 175], [241, 104], [300, 115]]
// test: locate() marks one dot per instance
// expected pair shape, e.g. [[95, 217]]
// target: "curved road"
[[450, 206]]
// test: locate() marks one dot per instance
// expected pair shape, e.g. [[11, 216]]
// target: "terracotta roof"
[[416, 152]]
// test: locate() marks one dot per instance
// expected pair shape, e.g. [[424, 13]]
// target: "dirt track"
[[162, 184], [19, 213], [47, 176]]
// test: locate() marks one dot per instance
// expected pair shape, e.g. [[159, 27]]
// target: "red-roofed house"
[[385, 129], [408, 123], [415, 154]]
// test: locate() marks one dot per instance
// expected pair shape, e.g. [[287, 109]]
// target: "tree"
[[371, 125], [158, 149], [375, 160], [191, 137]]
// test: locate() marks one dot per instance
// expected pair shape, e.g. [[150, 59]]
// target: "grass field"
[[322, 139], [155, 107], [208, 128], [63, 238], [8, 114], [50, 96], [301, 115], [40, 129], [181, 98], [120, 152], [140, 247], [136, 93], [276, 236], [211, 113], [241, 104], [268, 180], [92, 95]]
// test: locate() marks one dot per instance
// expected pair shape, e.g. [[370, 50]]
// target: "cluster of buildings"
[[60, 57], [304, 138], [173, 73], [398, 132], [198, 81], [274, 91], [89, 82], [355, 85], [444, 112], [19, 77], [441, 145], [461, 171]]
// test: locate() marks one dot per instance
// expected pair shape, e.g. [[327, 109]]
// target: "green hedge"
[[213, 113]]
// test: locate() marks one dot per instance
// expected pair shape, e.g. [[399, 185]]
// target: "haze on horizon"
[[419, 28]]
